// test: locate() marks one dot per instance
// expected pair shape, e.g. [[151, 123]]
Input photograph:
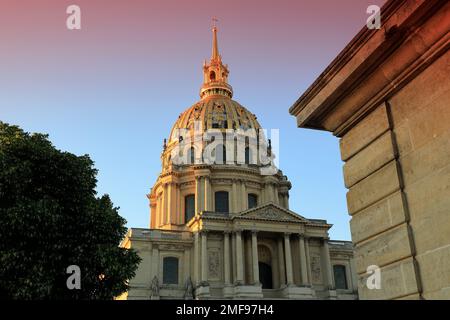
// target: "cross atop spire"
[[214, 20]]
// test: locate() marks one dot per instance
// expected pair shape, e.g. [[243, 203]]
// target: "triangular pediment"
[[271, 211]]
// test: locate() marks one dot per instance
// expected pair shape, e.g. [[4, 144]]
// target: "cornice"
[[367, 56]]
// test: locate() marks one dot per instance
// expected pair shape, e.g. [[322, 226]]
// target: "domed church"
[[220, 223]]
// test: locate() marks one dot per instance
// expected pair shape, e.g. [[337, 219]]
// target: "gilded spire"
[[215, 74], [215, 48]]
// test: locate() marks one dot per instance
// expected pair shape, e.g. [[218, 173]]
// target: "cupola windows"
[[252, 200], [221, 202], [189, 207]]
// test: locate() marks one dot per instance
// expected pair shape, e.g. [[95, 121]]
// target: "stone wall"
[[421, 125], [387, 96], [397, 169]]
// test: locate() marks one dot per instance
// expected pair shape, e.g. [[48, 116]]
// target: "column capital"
[[287, 234], [254, 232], [238, 231], [227, 231]]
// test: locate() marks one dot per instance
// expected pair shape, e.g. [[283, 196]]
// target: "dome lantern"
[[215, 73]]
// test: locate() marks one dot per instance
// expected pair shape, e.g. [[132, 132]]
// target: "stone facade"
[[225, 230], [387, 97]]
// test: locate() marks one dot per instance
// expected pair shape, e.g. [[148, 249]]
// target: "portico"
[[281, 236]]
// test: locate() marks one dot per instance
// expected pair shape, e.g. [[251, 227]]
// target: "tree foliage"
[[51, 218]]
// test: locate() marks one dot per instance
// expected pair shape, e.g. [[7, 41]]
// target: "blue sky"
[[113, 92]]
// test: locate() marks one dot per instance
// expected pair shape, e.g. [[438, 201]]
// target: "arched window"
[[212, 76], [170, 270], [191, 156], [248, 155], [221, 154], [252, 200], [189, 207], [340, 277], [221, 201]]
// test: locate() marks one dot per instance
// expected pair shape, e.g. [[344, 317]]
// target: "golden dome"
[[215, 112]]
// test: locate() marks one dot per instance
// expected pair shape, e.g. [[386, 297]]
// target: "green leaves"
[[51, 218]]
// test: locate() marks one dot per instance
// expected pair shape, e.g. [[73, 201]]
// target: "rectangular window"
[[189, 207], [340, 277], [221, 201], [252, 200], [170, 270]]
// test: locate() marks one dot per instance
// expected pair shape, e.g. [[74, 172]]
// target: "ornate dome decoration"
[[215, 113]]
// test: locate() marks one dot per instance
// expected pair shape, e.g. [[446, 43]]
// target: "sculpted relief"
[[214, 265], [316, 269]]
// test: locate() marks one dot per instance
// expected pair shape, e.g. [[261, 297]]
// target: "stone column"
[[288, 255], [286, 200], [239, 262], [169, 199], [180, 215], [187, 263], [233, 257], [268, 192], [152, 214], [281, 263], [158, 211], [204, 258], [248, 262], [263, 195], [275, 195], [208, 194], [244, 205], [234, 198], [226, 257], [196, 258], [303, 262], [198, 195], [308, 261], [255, 258], [328, 269], [238, 196], [164, 205]]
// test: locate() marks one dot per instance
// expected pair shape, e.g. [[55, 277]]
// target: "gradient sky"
[[114, 89]]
